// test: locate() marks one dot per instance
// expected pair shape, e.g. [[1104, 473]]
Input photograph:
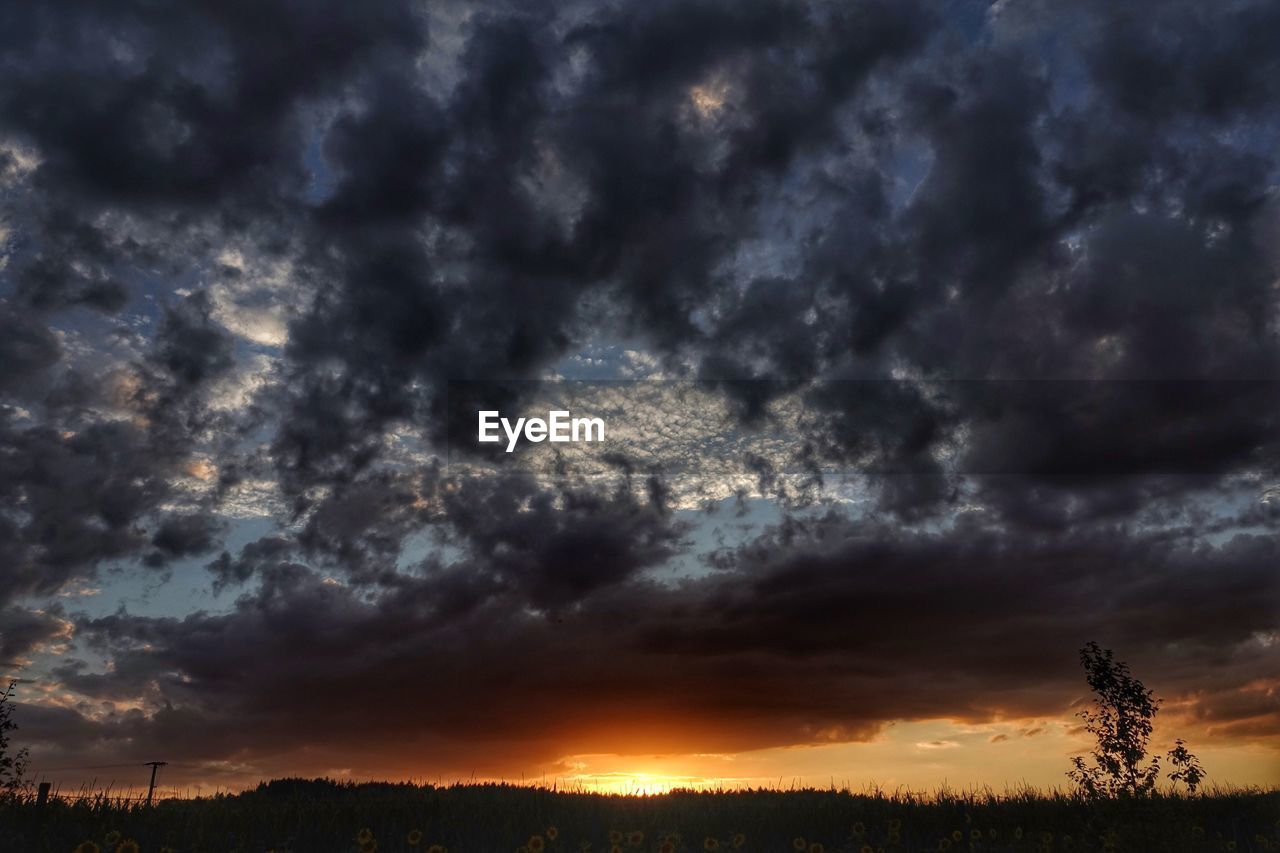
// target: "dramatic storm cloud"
[[933, 341]]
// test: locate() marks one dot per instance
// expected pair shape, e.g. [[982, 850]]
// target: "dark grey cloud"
[[74, 501], [28, 348], [182, 536], [822, 626], [25, 629], [556, 547]]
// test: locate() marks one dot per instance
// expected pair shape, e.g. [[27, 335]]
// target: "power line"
[[86, 767], [36, 770]]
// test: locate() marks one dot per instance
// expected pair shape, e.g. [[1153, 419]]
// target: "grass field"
[[321, 816]]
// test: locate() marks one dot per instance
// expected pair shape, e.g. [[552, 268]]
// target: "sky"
[[933, 341]]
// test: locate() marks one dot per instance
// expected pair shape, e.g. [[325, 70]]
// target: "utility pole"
[[154, 765]]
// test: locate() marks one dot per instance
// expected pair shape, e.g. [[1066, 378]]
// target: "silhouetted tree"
[[1120, 721], [1186, 767], [13, 767]]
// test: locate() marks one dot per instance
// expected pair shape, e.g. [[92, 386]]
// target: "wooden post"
[[42, 795], [155, 765]]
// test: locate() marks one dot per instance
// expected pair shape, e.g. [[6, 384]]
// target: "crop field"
[[321, 816]]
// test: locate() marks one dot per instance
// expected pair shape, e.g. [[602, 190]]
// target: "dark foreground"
[[319, 817]]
